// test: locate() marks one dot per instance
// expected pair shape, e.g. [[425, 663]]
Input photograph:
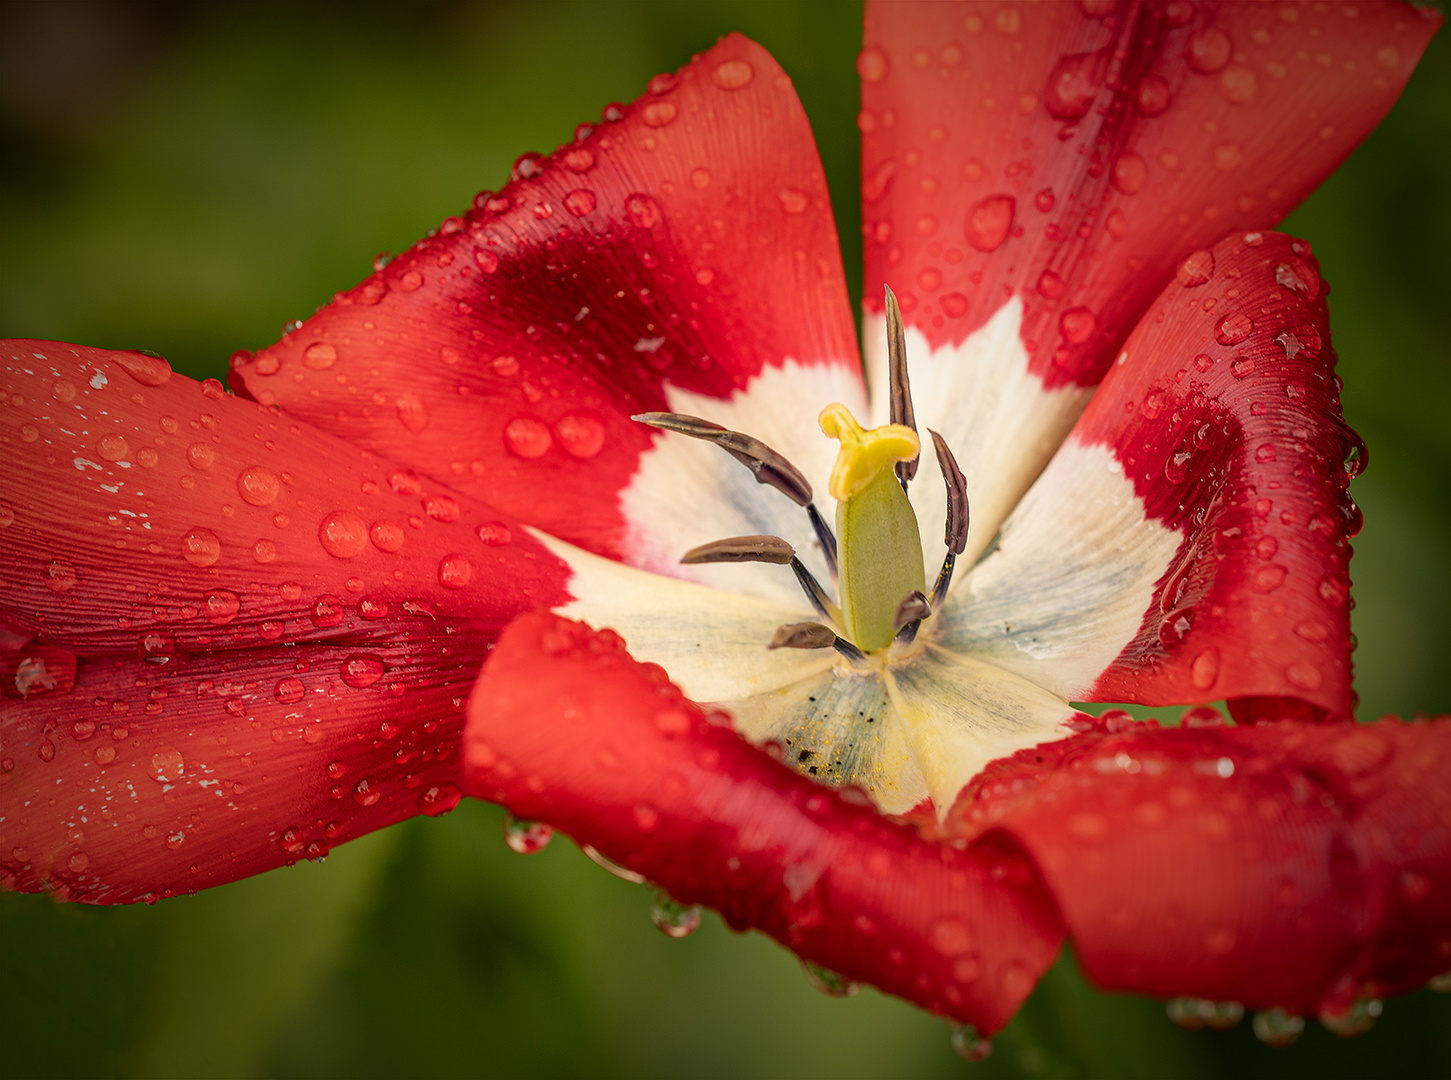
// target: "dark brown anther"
[[955, 537], [913, 608], [803, 635], [768, 466], [897, 381], [766, 549]]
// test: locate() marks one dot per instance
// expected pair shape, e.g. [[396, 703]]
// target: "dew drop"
[[60, 575], [289, 690], [1356, 1020], [871, 64], [412, 413], [989, 220], [166, 765], [1153, 95], [969, 1045], [361, 671], [441, 508], [1130, 173], [526, 837], [455, 571], [1233, 328], [438, 799], [527, 437], [1294, 275], [112, 447], [1195, 269], [200, 546], [733, 74], [343, 534], [145, 369], [367, 791], [643, 210], [1276, 1027], [221, 606], [580, 201], [495, 533], [672, 918], [386, 535], [829, 982], [1074, 84], [327, 611], [258, 485], [1205, 669], [793, 201], [581, 435], [319, 356], [1208, 50], [1076, 325], [1242, 366], [200, 455]]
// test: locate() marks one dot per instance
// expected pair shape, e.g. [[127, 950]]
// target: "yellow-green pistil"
[[878, 545]]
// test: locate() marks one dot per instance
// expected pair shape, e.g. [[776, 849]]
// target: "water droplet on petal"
[[361, 671], [1077, 325], [441, 508], [438, 799], [146, 369], [732, 74], [112, 447], [319, 356], [258, 485], [829, 982], [1074, 84], [989, 220], [527, 437], [1153, 95], [580, 201], [793, 201], [386, 535], [200, 547], [343, 534], [367, 791], [673, 919], [969, 1045], [1294, 274], [1208, 50], [1356, 1020], [1233, 328], [871, 64], [1276, 1027], [1195, 269], [60, 575], [495, 533], [455, 571], [221, 606], [412, 413], [166, 765], [289, 690], [643, 210], [526, 837], [581, 435]]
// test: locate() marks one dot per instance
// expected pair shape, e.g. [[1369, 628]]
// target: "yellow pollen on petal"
[[864, 452]]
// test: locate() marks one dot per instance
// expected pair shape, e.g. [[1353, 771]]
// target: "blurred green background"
[[185, 178]]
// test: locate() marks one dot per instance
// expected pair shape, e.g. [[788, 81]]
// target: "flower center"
[[879, 546], [878, 560]]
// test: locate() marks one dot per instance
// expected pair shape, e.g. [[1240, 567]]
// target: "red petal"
[[1283, 865], [146, 782], [156, 537], [687, 240], [564, 727], [1069, 154], [149, 515], [1224, 413]]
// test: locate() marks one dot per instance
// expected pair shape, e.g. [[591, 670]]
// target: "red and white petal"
[[712, 642], [686, 492], [686, 242], [139, 781], [1283, 865], [1041, 168], [566, 728], [958, 713], [151, 515], [1208, 472]]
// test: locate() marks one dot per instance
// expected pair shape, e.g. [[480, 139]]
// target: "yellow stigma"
[[864, 453]]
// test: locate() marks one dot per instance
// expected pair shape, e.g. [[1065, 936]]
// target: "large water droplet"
[[412, 413], [455, 571], [1356, 1020], [156, 647], [362, 671], [258, 485], [829, 982], [1233, 328], [221, 606], [793, 201], [1209, 50], [643, 210], [580, 201], [367, 791], [526, 837], [343, 534], [166, 765], [527, 437], [39, 669], [989, 220], [871, 64], [289, 690], [146, 369], [438, 799], [60, 575], [673, 918], [1194, 1013], [732, 74], [1276, 1027], [969, 1045], [319, 356], [581, 435], [1074, 84], [200, 546], [112, 447]]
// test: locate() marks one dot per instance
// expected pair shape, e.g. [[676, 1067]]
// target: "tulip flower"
[[537, 513]]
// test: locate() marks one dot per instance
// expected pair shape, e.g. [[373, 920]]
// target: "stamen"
[[768, 466], [810, 635], [766, 549], [825, 537], [913, 609], [898, 382], [955, 534]]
